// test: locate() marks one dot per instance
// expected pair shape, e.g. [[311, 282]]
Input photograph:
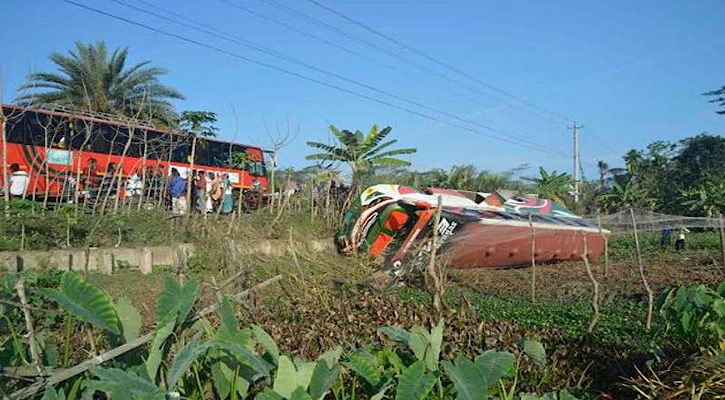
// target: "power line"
[[221, 34], [438, 61], [292, 73], [347, 35], [322, 40]]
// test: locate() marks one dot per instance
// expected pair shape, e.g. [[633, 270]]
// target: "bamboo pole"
[[533, 260], [6, 184], [595, 285], [34, 353], [432, 264], [606, 246], [650, 295]]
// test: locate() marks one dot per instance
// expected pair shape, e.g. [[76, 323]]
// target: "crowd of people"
[[210, 192]]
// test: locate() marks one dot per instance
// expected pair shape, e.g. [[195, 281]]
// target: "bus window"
[[180, 150], [218, 154], [201, 155]]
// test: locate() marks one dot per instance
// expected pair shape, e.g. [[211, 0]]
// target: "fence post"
[[606, 246], [595, 285], [650, 295], [431, 265], [533, 260]]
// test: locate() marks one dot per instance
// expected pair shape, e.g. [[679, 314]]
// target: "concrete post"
[[147, 261], [107, 266]]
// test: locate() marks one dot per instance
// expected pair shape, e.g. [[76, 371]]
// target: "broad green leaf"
[[85, 302], [186, 301], [414, 384], [322, 379], [122, 385], [419, 341], [267, 342], [163, 331], [51, 394], [535, 351], [305, 369], [268, 394], [564, 395], [300, 394], [245, 356], [468, 379], [183, 360], [285, 379], [495, 365], [130, 319], [364, 368], [381, 393], [227, 316], [434, 350], [224, 377], [332, 356], [534, 396], [168, 301], [395, 333]]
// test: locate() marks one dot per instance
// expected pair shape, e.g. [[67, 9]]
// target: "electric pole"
[[576, 128]]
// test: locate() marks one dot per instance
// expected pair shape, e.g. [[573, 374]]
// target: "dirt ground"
[[569, 280]]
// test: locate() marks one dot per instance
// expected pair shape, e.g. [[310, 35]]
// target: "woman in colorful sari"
[[227, 201]]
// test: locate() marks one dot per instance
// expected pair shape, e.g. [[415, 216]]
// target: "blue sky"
[[630, 72]]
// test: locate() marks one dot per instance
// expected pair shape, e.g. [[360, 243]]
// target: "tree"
[[361, 152], [89, 79], [718, 97], [708, 199], [627, 194], [552, 185], [603, 168], [195, 124]]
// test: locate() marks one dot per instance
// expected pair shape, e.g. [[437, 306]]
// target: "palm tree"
[[462, 177], [552, 185], [361, 152], [603, 168], [633, 160], [89, 79]]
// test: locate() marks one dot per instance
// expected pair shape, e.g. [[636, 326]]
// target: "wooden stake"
[[533, 260], [432, 264], [606, 246], [650, 295], [595, 285], [34, 353]]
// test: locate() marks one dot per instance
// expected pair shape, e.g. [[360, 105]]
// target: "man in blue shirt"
[[177, 191]]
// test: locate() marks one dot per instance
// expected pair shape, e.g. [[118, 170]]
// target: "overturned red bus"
[[59, 148]]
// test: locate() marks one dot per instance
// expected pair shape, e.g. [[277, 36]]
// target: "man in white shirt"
[[18, 181]]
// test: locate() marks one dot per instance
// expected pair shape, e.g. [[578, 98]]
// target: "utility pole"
[[576, 128]]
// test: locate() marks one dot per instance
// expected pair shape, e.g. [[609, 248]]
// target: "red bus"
[[55, 145]]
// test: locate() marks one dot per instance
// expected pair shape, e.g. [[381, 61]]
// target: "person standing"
[[200, 189], [18, 181], [228, 201], [209, 189], [177, 192], [680, 242]]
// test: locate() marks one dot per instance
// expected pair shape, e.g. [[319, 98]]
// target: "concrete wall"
[[107, 260]]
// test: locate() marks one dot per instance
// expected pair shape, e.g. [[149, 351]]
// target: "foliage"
[[682, 178], [717, 97], [90, 79], [198, 123], [361, 152], [696, 316], [554, 186], [85, 302]]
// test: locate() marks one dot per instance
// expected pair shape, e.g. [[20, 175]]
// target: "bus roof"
[[104, 118]]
